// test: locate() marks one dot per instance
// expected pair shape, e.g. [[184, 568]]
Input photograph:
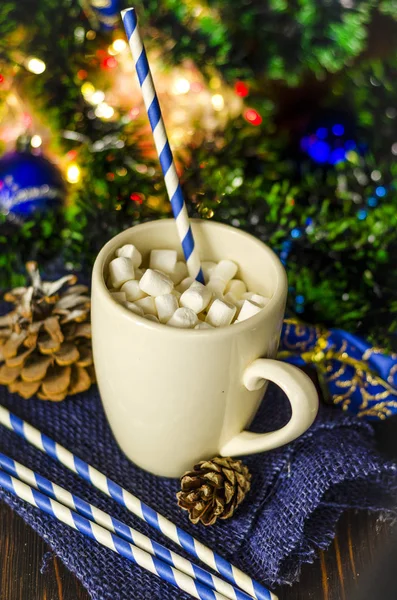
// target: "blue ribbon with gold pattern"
[[358, 377]]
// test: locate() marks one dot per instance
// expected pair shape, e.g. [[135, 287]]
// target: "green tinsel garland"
[[339, 265], [276, 39]]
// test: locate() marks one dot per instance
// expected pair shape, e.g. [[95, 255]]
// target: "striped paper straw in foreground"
[[100, 517], [163, 148], [194, 547], [108, 539]]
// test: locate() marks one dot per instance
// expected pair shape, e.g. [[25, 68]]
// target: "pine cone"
[[45, 342], [214, 489]]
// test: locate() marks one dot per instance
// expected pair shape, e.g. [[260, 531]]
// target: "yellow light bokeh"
[[181, 86], [215, 83], [36, 141], [97, 97], [217, 102], [104, 111], [73, 173], [36, 65], [119, 45], [87, 89]]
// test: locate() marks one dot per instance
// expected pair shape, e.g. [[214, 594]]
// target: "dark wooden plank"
[[334, 576], [21, 558]]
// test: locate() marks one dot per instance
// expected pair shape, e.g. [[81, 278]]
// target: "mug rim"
[[97, 274]]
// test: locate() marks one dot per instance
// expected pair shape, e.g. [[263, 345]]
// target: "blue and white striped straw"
[[163, 148], [134, 505], [100, 517], [108, 539]]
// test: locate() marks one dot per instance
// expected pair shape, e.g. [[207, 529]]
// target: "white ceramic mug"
[[176, 396]]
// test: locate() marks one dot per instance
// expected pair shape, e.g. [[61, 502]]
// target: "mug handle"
[[303, 398]]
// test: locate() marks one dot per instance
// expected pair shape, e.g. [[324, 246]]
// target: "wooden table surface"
[[338, 574], [334, 576]]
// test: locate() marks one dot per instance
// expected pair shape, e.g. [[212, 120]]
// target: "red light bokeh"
[[252, 116], [241, 89]]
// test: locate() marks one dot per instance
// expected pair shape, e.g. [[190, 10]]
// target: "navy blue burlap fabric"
[[298, 493]]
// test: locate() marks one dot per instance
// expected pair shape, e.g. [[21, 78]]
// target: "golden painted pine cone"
[[45, 342], [214, 488]]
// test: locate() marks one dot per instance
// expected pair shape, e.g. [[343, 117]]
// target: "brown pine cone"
[[214, 489], [45, 342]]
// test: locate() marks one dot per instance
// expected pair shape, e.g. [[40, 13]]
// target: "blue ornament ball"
[[107, 11], [29, 185], [329, 138]]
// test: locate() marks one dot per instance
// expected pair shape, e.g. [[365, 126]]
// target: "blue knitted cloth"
[[298, 493]]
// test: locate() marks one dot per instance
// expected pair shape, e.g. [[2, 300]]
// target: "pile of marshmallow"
[[165, 294]]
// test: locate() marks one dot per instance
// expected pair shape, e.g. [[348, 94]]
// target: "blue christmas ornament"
[[29, 185], [107, 11], [329, 138]]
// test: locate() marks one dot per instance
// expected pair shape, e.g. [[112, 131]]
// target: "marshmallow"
[[220, 313], [129, 251], [259, 300], [152, 318], [132, 290], [225, 269], [184, 318], [211, 302], [176, 294], [134, 308], [185, 283], [249, 309], [180, 272], [197, 284], [118, 296], [155, 283], [151, 293], [238, 304], [207, 266], [237, 288], [203, 325], [196, 297], [163, 260], [148, 306], [166, 305], [217, 286], [248, 296], [121, 269], [231, 298]]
